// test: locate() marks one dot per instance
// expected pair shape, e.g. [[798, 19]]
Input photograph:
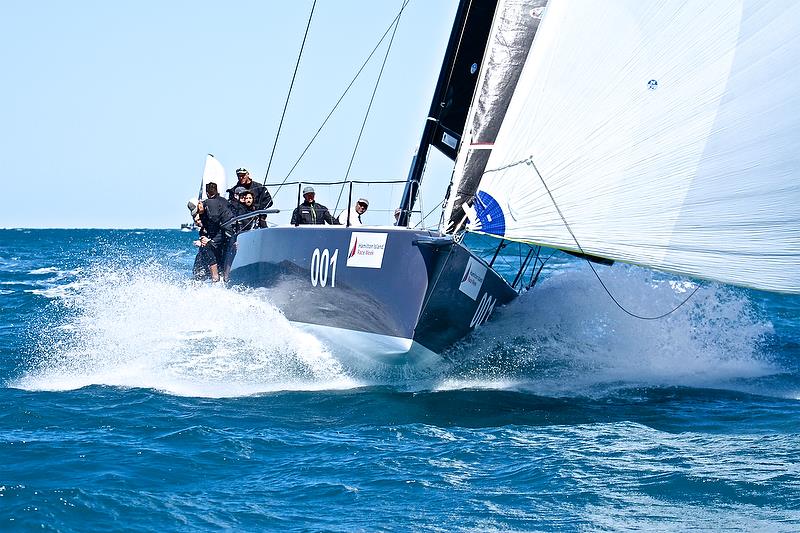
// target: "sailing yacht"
[[660, 134]]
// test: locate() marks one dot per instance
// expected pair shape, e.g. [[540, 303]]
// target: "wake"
[[567, 337], [149, 327]]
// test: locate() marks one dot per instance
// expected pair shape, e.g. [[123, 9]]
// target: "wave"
[[567, 337], [44, 270], [148, 326]]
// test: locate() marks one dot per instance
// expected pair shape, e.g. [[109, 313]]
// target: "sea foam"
[[566, 336], [149, 326]]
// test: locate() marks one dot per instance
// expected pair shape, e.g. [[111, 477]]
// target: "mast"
[[439, 104]]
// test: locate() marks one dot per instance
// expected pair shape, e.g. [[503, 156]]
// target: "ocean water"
[[132, 399]]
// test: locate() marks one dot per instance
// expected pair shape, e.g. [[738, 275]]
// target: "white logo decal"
[[472, 280], [366, 249]]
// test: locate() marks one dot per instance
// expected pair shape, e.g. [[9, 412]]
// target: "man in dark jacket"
[[236, 204], [310, 212], [205, 257], [214, 212], [261, 196], [247, 205]]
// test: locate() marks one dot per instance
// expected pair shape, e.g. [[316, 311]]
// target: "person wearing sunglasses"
[[355, 213]]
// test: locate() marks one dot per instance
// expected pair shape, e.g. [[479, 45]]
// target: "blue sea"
[[133, 399]]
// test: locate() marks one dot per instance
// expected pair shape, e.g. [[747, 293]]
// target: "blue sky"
[[109, 108]]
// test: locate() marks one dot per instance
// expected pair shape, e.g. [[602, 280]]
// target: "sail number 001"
[[323, 263], [484, 310]]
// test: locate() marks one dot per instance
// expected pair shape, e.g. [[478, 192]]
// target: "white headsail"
[[213, 171], [661, 133], [512, 32]]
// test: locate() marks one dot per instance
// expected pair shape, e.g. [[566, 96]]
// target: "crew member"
[[237, 205], [214, 212], [355, 213], [247, 205], [310, 212], [262, 197], [205, 257]]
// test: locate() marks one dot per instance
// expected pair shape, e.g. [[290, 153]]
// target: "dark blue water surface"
[[135, 400]]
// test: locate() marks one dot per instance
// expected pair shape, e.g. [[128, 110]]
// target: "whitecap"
[[566, 336], [149, 327], [44, 270]]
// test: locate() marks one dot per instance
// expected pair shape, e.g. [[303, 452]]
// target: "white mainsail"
[[213, 171], [661, 133]]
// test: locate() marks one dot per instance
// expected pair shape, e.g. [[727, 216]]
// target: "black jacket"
[[312, 213], [238, 209], [262, 199], [217, 212]]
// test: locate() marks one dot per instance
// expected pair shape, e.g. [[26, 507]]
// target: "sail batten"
[[663, 134]]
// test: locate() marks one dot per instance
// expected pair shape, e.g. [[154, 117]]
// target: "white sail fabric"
[[667, 133], [213, 171], [512, 32]]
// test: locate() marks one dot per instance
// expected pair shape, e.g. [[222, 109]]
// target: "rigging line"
[[437, 206], [289, 94], [535, 277], [569, 229], [441, 106], [372, 98], [458, 49], [339, 101]]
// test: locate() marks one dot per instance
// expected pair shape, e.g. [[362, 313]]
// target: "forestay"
[[661, 133]]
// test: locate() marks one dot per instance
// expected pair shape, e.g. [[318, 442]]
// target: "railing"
[[530, 261], [247, 216], [352, 197]]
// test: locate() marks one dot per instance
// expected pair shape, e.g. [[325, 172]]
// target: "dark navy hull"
[[395, 295]]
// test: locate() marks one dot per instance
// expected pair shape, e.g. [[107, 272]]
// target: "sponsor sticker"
[[366, 249], [472, 280]]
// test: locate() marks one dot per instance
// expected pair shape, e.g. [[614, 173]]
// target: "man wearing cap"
[[355, 213], [237, 206], [261, 196], [310, 212]]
